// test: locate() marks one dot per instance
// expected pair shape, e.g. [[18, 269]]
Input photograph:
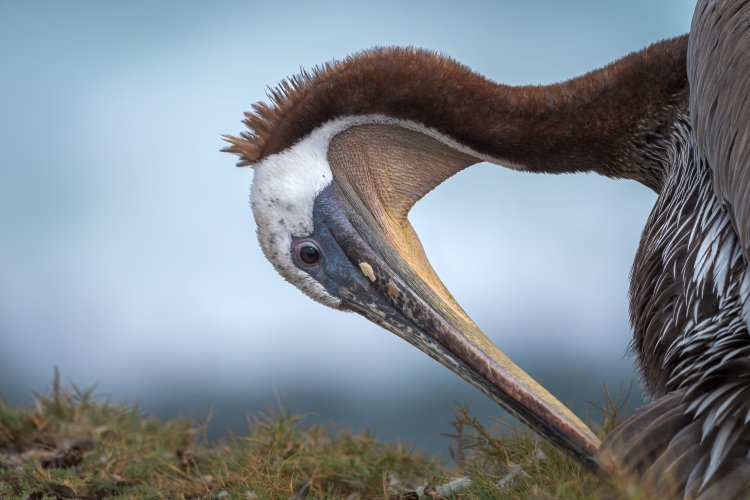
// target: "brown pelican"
[[342, 153]]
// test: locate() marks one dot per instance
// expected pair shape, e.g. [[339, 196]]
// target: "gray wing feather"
[[719, 75]]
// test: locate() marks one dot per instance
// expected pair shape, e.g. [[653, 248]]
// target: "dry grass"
[[70, 446]]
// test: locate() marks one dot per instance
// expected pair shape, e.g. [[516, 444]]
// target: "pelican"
[[342, 153]]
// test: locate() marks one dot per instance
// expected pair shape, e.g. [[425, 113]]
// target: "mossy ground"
[[69, 445]]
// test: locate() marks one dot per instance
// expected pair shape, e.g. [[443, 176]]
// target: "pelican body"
[[342, 153]]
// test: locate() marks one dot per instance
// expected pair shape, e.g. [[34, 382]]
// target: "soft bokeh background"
[[127, 248]]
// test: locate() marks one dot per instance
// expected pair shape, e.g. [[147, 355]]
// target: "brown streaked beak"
[[374, 263]]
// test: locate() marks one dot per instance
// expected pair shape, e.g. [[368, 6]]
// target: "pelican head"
[[331, 216], [342, 154]]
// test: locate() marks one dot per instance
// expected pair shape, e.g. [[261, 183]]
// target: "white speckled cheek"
[[282, 197]]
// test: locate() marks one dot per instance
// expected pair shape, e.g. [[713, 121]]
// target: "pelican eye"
[[307, 253]]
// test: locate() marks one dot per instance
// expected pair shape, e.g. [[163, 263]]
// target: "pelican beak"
[[382, 274]]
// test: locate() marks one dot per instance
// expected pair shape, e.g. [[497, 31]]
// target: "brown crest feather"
[[595, 122], [260, 122]]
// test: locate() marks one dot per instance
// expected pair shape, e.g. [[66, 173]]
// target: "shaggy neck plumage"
[[601, 121]]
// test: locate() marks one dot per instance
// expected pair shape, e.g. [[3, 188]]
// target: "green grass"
[[69, 445]]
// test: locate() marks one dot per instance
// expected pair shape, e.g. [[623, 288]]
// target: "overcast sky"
[[128, 255]]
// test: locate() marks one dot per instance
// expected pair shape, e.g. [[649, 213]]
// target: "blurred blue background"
[[127, 247]]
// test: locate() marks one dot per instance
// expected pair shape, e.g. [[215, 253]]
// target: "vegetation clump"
[[69, 445]]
